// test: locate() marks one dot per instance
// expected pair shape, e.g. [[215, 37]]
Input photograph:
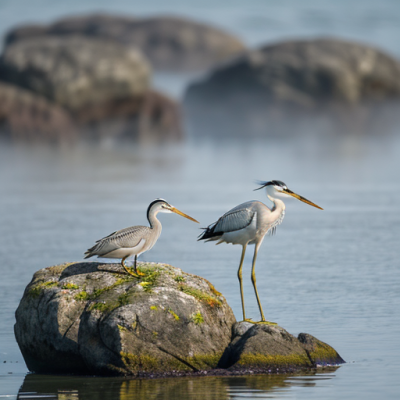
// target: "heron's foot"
[[259, 322], [266, 322], [130, 272], [139, 273], [248, 320]]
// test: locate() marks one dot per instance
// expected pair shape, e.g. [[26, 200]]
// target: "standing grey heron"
[[248, 223], [136, 239]]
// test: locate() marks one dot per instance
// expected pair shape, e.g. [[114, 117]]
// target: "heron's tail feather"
[[209, 234], [91, 252]]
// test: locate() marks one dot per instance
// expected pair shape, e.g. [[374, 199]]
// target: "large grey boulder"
[[169, 42], [25, 116], [94, 318], [281, 82], [75, 72]]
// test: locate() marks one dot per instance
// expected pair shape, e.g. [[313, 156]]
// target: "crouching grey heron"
[[136, 239], [248, 223]]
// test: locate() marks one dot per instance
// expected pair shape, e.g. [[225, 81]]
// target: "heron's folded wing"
[[128, 237], [234, 220]]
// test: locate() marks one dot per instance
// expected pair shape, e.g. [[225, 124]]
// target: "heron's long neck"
[[279, 205], [155, 224]]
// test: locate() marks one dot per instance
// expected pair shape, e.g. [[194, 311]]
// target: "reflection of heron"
[[248, 223], [136, 239]]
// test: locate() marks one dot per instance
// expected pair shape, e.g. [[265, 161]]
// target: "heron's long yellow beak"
[[176, 211], [301, 198]]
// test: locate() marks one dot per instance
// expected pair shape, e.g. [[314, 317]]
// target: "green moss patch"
[[200, 295], [70, 286], [82, 296], [136, 363], [324, 354], [264, 360], [197, 318], [37, 290], [173, 314]]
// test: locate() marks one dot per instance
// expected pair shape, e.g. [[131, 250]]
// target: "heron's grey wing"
[[128, 237], [234, 220]]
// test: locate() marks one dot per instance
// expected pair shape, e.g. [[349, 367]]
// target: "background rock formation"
[[170, 43], [277, 85]]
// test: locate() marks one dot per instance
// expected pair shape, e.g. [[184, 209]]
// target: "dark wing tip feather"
[[208, 233]]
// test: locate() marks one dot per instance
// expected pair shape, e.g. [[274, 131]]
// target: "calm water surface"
[[332, 273]]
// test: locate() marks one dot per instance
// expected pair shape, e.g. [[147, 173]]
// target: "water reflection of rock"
[[325, 84], [199, 388]]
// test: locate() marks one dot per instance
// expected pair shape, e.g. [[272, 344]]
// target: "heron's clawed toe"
[[139, 273], [130, 272], [266, 322]]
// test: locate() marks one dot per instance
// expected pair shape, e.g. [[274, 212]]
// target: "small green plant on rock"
[[197, 318], [70, 286], [173, 314], [82, 296]]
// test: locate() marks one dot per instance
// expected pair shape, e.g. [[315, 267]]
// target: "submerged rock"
[[94, 318], [171, 43]]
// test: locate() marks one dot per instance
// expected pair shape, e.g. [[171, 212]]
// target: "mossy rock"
[[320, 353], [95, 318], [270, 348]]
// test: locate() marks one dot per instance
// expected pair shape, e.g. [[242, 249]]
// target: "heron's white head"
[[161, 205], [278, 189]]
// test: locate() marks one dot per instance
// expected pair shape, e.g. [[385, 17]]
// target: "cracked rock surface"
[[94, 318]]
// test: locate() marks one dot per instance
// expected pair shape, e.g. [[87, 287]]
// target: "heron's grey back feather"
[[124, 238], [234, 220]]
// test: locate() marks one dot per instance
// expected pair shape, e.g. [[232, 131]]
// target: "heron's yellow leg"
[[253, 279], [137, 272], [126, 269], [240, 280]]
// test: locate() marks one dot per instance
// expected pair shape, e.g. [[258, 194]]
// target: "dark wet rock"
[[91, 317], [25, 116], [171, 43], [75, 72], [319, 352], [270, 348], [279, 84]]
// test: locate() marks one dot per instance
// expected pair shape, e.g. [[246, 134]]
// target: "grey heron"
[[136, 239], [248, 223]]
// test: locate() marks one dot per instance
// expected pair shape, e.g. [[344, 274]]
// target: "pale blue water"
[[334, 273]]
